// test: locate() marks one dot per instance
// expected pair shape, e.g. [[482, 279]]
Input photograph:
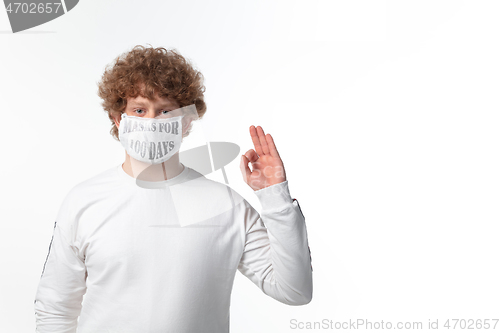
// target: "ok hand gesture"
[[267, 167]]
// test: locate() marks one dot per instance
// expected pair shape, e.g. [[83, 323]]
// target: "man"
[[152, 244]]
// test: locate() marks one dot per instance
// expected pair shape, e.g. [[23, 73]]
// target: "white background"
[[385, 113]]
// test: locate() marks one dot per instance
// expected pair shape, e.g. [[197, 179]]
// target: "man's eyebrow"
[[136, 104]]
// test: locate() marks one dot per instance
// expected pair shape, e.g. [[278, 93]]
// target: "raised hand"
[[267, 167]]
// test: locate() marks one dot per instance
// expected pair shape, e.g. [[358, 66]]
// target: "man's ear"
[[186, 121], [117, 121]]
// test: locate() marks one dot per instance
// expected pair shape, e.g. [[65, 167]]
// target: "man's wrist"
[[274, 196]]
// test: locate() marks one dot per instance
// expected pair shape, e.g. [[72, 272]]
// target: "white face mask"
[[150, 140]]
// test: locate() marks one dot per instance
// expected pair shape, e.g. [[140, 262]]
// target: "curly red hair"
[[146, 72]]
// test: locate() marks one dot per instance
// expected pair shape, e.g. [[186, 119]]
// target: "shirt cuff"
[[275, 196]]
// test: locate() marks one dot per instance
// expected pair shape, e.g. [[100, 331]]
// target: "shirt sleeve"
[[63, 281], [276, 255]]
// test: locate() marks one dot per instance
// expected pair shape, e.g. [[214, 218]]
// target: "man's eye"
[[139, 111], [165, 111]]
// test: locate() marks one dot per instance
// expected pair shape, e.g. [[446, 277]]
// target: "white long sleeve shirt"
[[132, 256]]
